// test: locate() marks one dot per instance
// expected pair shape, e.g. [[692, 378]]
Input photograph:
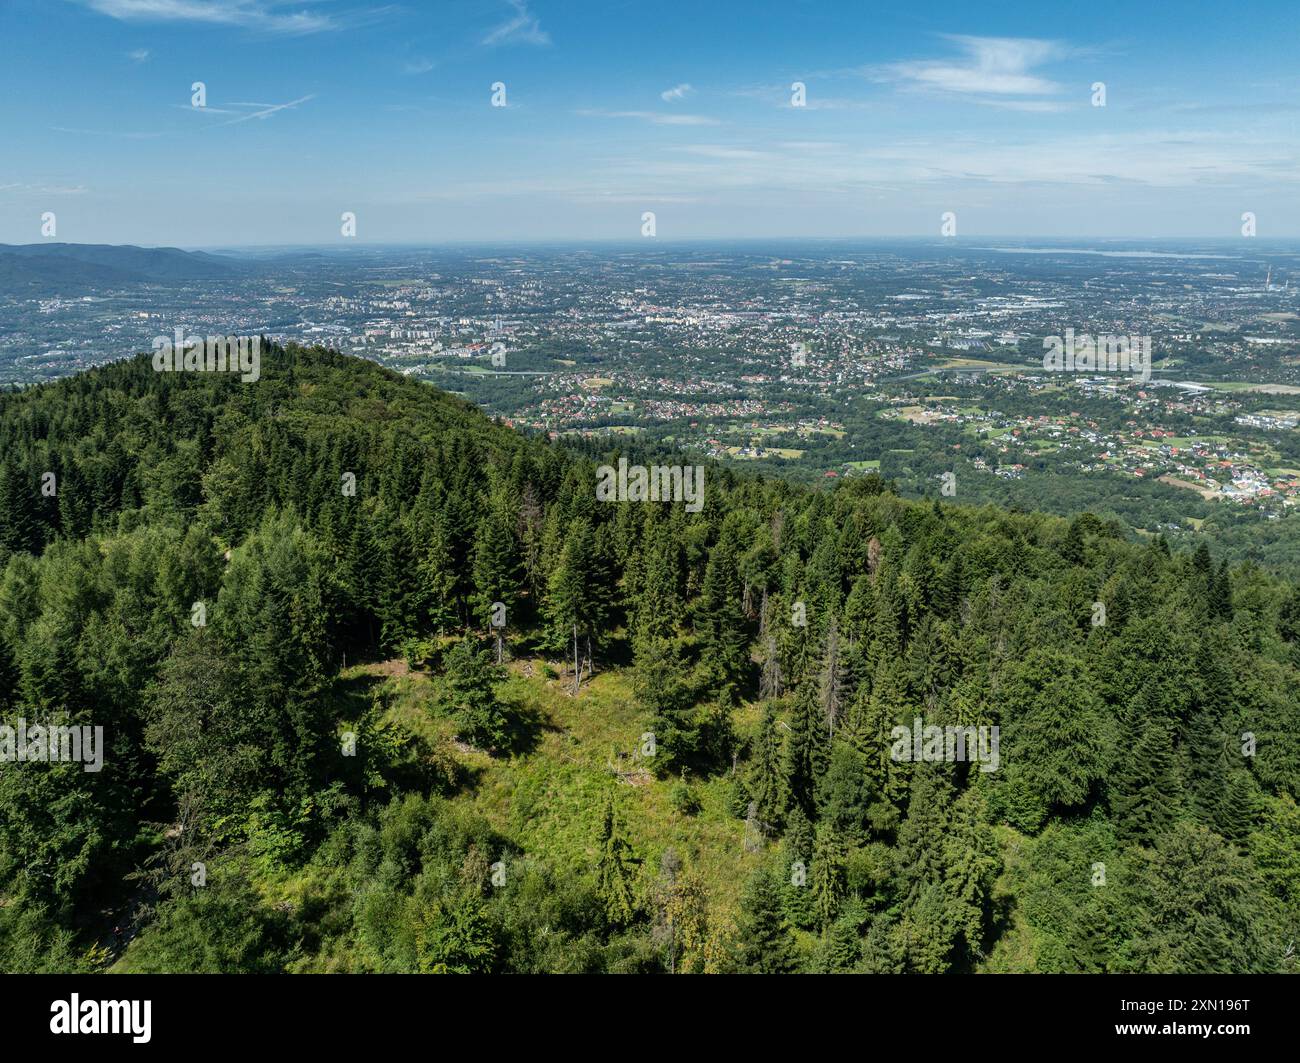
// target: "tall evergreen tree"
[[766, 943], [766, 778], [613, 869], [720, 619], [806, 750]]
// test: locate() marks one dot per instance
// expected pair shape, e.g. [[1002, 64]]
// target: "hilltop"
[[70, 269], [279, 600]]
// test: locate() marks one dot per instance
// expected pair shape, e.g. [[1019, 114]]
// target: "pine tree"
[[436, 581], [1235, 812], [1059, 736], [1275, 848], [766, 943], [844, 792], [472, 679], [662, 687], [613, 870], [1220, 596], [827, 876], [919, 856], [396, 603], [766, 779], [841, 946], [75, 505], [806, 750], [1198, 912], [834, 679], [929, 931], [720, 620], [496, 558], [1207, 767], [796, 856], [568, 606], [1145, 794], [948, 589], [887, 638], [971, 866], [18, 501], [657, 607]]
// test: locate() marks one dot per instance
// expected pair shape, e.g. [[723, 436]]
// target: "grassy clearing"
[[547, 799], [768, 452], [990, 367]]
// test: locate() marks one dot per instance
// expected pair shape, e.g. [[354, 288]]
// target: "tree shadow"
[[524, 728]]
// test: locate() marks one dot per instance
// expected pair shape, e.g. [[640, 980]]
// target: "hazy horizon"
[[1053, 244]]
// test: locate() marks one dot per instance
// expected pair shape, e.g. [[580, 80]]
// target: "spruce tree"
[[613, 869], [471, 680], [827, 874], [766, 777], [436, 581], [1235, 811], [721, 622], [569, 608], [662, 686], [806, 750], [1145, 794], [496, 558], [766, 943]]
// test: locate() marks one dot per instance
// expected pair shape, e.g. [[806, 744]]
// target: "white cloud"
[[267, 16], [139, 55], [521, 28], [1160, 161], [418, 66], [43, 190], [989, 67], [677, 92]]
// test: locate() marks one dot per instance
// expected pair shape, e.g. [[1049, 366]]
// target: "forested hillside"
[[277, 599]]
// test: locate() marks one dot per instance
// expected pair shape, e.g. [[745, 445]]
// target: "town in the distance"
[[926, 362]]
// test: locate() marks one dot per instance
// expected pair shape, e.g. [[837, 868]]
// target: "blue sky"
[[621, 106]]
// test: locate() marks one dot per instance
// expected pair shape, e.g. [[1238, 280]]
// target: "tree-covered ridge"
[[224, 566]]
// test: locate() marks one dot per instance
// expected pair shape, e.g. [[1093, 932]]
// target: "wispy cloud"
[[1154, 158], [266, 110], [989, 69], [1155, 161], [722, 151], [418, 66], [139, 55], [245, 111], [267, 16], [677, 92], [654, 117], [28, 189], [520, 28]]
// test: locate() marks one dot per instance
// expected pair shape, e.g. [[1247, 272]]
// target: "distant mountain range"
[[72, 269]]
